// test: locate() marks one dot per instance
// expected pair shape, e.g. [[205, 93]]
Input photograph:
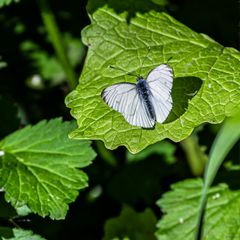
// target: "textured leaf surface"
[[181, 206], [131, 225], [38, 167], [205, 89]]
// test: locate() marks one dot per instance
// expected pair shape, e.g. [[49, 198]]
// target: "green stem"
[[105, 154], [57, 42], [194, 154]]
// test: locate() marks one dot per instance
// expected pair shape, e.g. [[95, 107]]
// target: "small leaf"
[[131, 225], [205, 88], [21, 234], [181, 206], [38, 167]]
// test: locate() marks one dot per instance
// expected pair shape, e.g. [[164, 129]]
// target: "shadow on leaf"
[[184, 89]]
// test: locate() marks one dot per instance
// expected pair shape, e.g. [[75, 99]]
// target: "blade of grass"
[[225, 140]]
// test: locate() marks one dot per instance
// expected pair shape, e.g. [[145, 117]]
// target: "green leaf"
[[228, 135], [38, 167], [131, 225], [21, 234], [164, 148], [181, 206], [7, 2], [195, 57]]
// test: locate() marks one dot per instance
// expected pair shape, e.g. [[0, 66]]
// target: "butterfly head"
[[139, 78]]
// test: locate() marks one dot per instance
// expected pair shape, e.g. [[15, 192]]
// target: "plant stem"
[[57, 41], [105, 154], [194, 154]]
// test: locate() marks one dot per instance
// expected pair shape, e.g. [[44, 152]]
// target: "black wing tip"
[[170, 69], [102, 95], [149, 128]]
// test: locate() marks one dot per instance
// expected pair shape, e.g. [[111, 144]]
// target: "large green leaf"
[[206, 84], [38, 168], [181, 207]]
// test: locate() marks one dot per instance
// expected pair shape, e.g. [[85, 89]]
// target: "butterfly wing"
[[124, 98], [160, 81]]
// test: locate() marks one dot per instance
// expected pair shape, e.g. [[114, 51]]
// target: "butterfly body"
[[145, 93], [146, 102]]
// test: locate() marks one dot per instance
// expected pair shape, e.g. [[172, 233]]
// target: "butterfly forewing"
[[160, 81], [123, 97], [135, 106]]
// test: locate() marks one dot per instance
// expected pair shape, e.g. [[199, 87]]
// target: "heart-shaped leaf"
[[205, 88]]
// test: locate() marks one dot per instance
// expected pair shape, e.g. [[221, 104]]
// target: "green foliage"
[[163, 148], [7, 2], [21, 234], [181, 206], [47, 66], [228, 135], [41, 169], [195, 57], [38, 167], [194, 153], [225, 140], [131, 225]]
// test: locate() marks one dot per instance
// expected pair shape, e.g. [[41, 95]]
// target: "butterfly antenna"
[[169, 60], [127, 73], [148, 50]]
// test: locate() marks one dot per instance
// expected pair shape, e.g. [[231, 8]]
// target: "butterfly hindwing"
[[124, 98], [160, 81]]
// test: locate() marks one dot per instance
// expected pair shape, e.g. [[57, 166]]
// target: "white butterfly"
[[147, 101]]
